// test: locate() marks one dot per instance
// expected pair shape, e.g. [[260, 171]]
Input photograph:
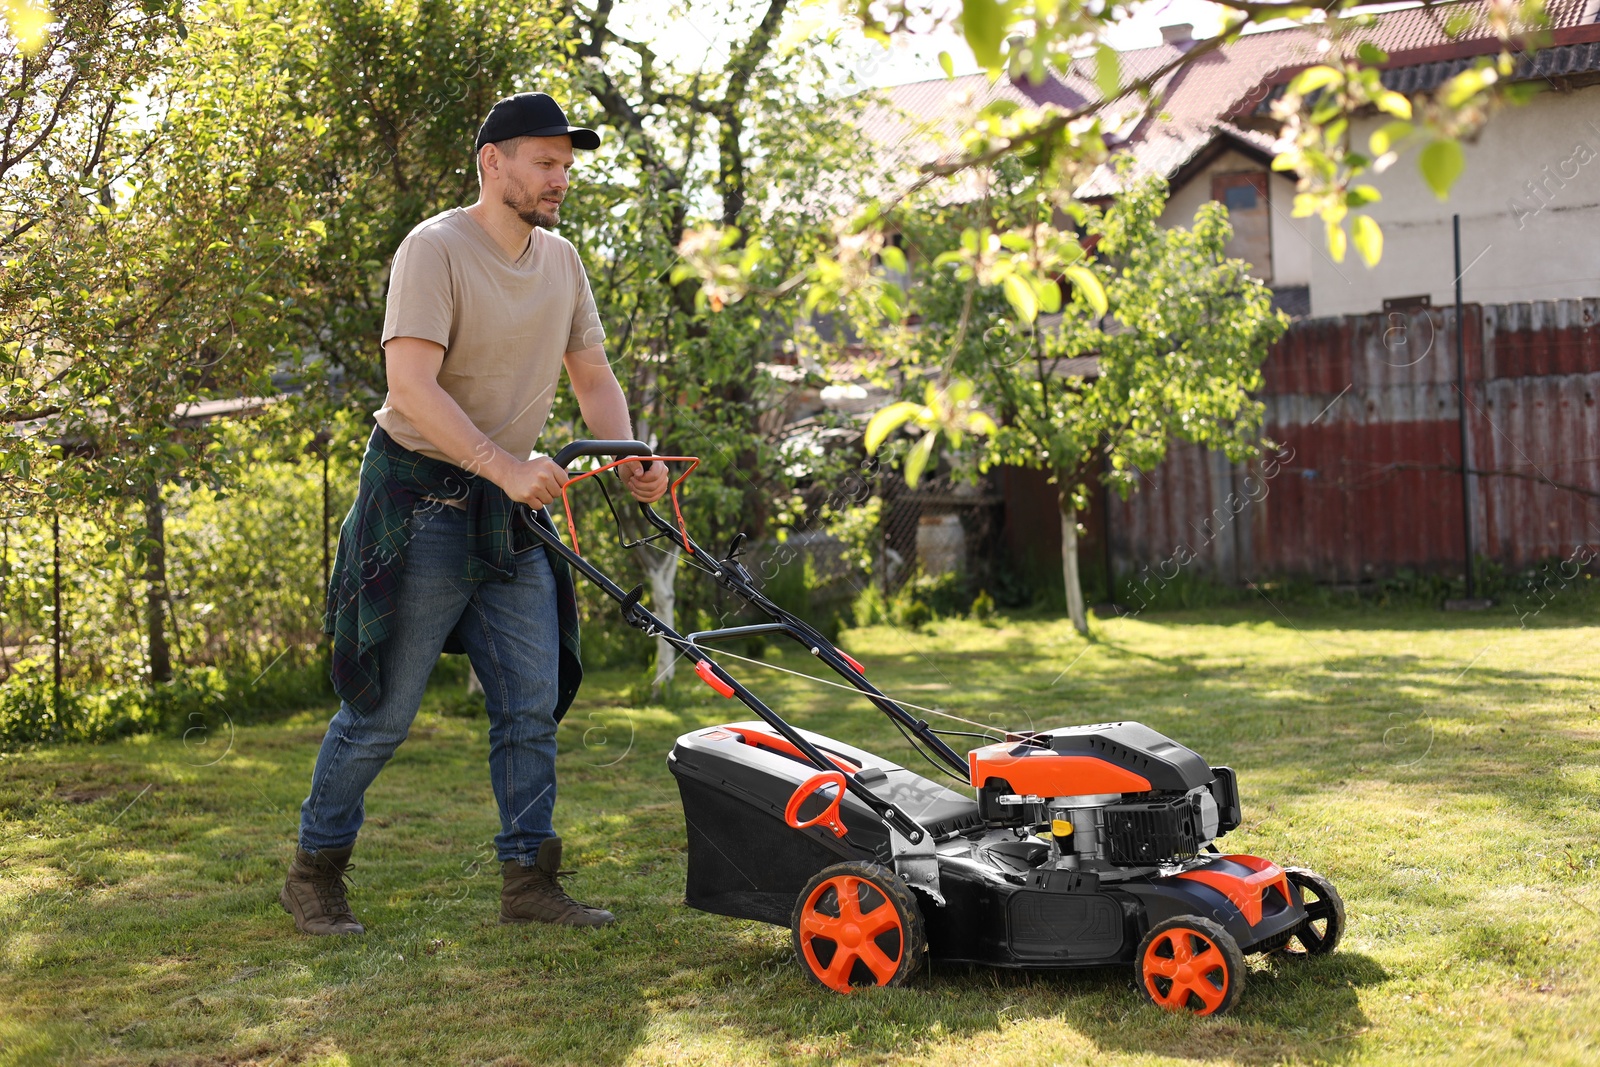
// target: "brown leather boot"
[[533, 894], [314, 892]]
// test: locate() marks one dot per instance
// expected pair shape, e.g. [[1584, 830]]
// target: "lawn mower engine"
[[1086, 846]]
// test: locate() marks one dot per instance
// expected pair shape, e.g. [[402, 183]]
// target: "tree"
[[1179, 356], [1177, 330], [163, 265], [757, 133], [65, 147], [393, 94]]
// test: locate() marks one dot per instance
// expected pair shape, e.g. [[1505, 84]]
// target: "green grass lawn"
[[1443, 770]]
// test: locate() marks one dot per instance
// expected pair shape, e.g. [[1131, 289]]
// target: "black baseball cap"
[[532, 115]]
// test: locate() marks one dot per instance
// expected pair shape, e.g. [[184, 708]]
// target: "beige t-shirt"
[[505, 325]]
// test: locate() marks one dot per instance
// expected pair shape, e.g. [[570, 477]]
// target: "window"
[[1239, 198]]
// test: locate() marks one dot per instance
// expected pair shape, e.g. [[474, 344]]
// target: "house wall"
[[1529, 202], [1366, 482], [1291, 243]]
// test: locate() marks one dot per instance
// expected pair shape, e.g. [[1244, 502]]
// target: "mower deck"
[[1006, 902]]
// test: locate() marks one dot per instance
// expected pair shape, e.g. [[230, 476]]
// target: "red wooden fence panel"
[[1364, 411]]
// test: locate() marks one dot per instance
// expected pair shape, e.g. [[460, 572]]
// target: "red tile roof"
[[1229, 80], [1191, 105]]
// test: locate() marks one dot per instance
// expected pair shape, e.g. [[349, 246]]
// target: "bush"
[[1026, 581], [920, 601], [199, 703], [799, 588], [870, 608], [947, 595]]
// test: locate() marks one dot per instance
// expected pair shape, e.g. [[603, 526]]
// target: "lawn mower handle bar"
[[732, 576], [615, 449]]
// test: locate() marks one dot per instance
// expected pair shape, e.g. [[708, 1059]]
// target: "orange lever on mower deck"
[[830, 814]]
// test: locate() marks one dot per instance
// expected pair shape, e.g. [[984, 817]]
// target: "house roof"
[[1562, 61], [1210, 101], [921, 122], [1202, 102]]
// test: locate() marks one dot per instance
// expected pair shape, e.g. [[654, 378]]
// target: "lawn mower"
[[1081, 846]]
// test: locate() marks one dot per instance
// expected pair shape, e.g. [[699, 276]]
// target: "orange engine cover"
[[1044, 773]]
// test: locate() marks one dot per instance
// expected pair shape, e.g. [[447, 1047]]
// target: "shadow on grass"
[[1290, 1010], [1512, 613]]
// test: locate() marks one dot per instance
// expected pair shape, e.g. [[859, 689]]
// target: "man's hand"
[[535, 481], [646, 481]]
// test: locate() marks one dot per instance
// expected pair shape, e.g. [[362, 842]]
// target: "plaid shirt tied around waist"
[[364, 586]]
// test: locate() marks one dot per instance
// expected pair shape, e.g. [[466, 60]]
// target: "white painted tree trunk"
[[474, 687], [1069, 563], [662, 570]]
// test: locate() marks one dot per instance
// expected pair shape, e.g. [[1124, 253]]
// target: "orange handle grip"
[[830, 814], [672, 490], [708, 675]]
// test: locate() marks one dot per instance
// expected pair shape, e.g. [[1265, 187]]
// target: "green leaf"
[[887, 422], [947, 65], [1337, 241], [1368, 236], [917, 458], [1108, 71], [1049, 294], [1371, 54], [1442, 163], [1020, 294], [1089, 285], [1387, 136], [983, 22], [1362, 195], [1395, 104], [1459, 23], [1313, 78], [893, 259], [1466, 85]]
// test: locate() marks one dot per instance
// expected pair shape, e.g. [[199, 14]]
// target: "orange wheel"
[[1191, 964], [857, 924]]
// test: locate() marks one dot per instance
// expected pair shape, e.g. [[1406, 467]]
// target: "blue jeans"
[[511, 636]]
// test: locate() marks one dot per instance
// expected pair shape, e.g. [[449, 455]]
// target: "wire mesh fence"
[[876, 540], [939, 528]]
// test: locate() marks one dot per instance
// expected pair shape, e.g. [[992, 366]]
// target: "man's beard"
[[527, 208]]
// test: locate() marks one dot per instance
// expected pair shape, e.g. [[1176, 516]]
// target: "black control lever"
[[736, 545], [631, 601]]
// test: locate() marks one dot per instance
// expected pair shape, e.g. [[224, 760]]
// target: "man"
[[485, 307]]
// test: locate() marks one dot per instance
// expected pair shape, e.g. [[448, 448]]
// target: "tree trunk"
[[662, 570], [156, 591], [1069, 559]]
